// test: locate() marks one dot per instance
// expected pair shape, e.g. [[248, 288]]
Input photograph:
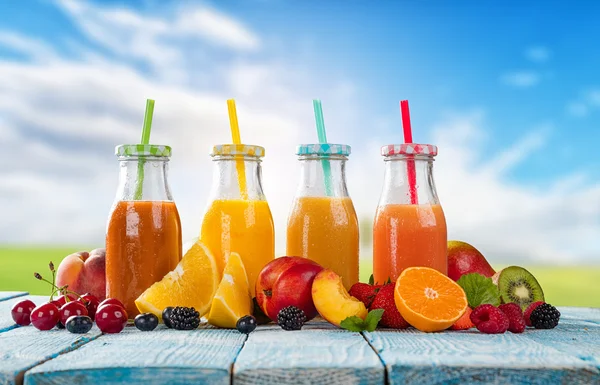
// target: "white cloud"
[[586, 103], [34, 49], [521, 79], [538, 54], [61, 120]]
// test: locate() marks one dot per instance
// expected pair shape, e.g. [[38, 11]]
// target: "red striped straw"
[[410, 163]]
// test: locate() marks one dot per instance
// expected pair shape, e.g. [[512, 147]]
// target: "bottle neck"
[[143, 179], [396, 185], [226, 184], [322, 176]]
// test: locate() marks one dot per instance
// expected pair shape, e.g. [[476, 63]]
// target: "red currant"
[[21, 312], [70, 309], [111, 318], [45, 317], [91, 303], [113, 301]]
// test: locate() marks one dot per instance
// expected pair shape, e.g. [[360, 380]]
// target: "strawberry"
[[463, 322], [364, 292], [384, 299]]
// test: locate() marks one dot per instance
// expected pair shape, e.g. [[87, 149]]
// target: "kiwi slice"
[[519, 286]]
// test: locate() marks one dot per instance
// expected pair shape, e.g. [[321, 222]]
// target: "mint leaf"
[[373, 319], [479, 290], [354, 324]]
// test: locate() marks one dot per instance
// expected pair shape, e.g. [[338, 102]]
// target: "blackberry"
[[291, 318], [184, 318], [545, 316]]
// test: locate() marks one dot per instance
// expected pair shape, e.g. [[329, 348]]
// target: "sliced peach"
[[333, 301]]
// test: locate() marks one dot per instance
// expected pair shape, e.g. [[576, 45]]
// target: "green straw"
[[145, 140], [323, 140]]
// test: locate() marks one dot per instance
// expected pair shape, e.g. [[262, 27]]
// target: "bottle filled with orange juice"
[[143, 238], [322, 225], [410, 227], [238, 218]]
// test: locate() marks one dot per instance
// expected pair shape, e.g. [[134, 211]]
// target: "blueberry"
[[246, 324], [166, 316], [146, 322], [60, 325], [79, 324]]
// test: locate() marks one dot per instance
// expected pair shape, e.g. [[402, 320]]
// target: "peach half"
[[333, 301]]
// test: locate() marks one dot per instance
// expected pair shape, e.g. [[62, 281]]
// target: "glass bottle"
[[409, 228], [322, 224], [238, 218], [143, 238]]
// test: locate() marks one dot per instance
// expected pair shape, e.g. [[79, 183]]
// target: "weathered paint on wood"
[[163, 356], [6, 321], [580, 314], [534, 357], [24, 347], [318, 354], [4, 295]]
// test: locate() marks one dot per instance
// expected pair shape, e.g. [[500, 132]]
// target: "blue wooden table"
[[319, 354]]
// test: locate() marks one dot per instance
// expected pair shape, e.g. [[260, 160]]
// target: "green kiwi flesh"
[[519, 286]]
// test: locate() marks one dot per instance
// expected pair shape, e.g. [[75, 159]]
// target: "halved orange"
[[428, 300]]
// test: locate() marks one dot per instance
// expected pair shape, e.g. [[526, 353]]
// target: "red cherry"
[[45, 317], [21, 312], [70, 309], [113, 301], [91, 303], [63, 299], [111, 318]]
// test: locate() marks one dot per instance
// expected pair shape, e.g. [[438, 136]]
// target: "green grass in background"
[[563, 286]]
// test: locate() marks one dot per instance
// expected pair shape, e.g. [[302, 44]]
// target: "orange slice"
[[428, 300], [193, 283], [232, 300]]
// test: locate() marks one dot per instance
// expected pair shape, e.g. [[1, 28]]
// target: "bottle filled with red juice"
[[143, 238]]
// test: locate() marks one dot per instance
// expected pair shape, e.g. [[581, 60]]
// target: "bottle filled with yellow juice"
[[322, 225], [238, 218]]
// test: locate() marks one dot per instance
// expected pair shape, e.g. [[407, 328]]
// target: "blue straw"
[[323, 139]]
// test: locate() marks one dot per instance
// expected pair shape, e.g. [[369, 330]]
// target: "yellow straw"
[[235, 136]]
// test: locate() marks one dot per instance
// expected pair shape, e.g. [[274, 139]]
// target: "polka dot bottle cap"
[[323, 149], [143, 150], [409, 149], [238, 149]]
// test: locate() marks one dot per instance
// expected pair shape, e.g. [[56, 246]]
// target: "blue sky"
[[510, 92]]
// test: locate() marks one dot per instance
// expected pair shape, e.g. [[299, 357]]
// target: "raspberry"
[[516, 321], [489, 319], [545, 316], [529, 310]]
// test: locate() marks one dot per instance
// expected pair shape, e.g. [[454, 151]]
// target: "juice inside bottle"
[[406, 235], [243, 226], [326, 231], [409, 229], [238, 218], [143, 244], [322, 225]]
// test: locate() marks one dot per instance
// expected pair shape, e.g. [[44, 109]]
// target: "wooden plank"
[[162, 356], [6, 321], [470, 357], [4, 295], [577, 338], [580, 314], [24, 347], [318, 354]]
